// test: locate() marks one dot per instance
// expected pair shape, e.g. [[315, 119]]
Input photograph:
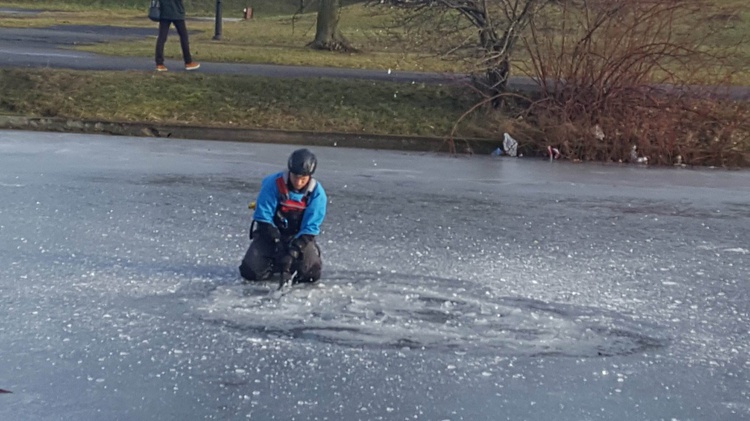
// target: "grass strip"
[[349, 106]]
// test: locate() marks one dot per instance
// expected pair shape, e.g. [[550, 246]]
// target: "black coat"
[[172, 10]]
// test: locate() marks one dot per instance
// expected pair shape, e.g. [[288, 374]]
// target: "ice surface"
[[454, 288]]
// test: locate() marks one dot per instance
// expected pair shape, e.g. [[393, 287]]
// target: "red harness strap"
[[286, 204], [283, 189]]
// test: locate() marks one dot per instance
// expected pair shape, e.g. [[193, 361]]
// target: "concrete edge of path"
[[173, 131]]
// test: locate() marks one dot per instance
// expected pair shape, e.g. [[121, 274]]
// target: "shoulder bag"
[[154, 12]]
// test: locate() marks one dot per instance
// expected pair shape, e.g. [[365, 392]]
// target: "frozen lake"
[[466, 288]]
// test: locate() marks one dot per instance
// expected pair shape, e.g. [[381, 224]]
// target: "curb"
[[174, 131]]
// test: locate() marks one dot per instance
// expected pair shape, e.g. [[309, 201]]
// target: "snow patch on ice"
[[398, 314]]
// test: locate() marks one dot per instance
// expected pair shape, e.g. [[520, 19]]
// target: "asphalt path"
[[53, 47]]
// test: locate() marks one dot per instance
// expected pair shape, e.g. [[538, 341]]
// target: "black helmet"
[[302, 162]]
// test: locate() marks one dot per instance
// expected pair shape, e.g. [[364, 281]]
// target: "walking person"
[[173, 12], [289, 210]]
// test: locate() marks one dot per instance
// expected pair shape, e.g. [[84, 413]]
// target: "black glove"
[[299, 244], [269, 233]]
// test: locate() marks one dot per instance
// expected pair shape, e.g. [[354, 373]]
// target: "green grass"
[[278, 41]]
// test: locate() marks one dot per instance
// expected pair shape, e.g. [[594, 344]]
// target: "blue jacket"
[[268, 201]]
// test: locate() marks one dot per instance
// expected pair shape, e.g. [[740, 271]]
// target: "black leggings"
[[162, 39]]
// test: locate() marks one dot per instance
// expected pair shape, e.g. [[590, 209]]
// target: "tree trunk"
[[327, 35], [498, 63], [497, 78]]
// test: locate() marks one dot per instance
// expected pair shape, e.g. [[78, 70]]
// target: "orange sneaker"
[[192, 66], [161, 68]]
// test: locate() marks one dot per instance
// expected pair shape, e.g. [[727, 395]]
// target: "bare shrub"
[[716, 133], [619, 75]]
